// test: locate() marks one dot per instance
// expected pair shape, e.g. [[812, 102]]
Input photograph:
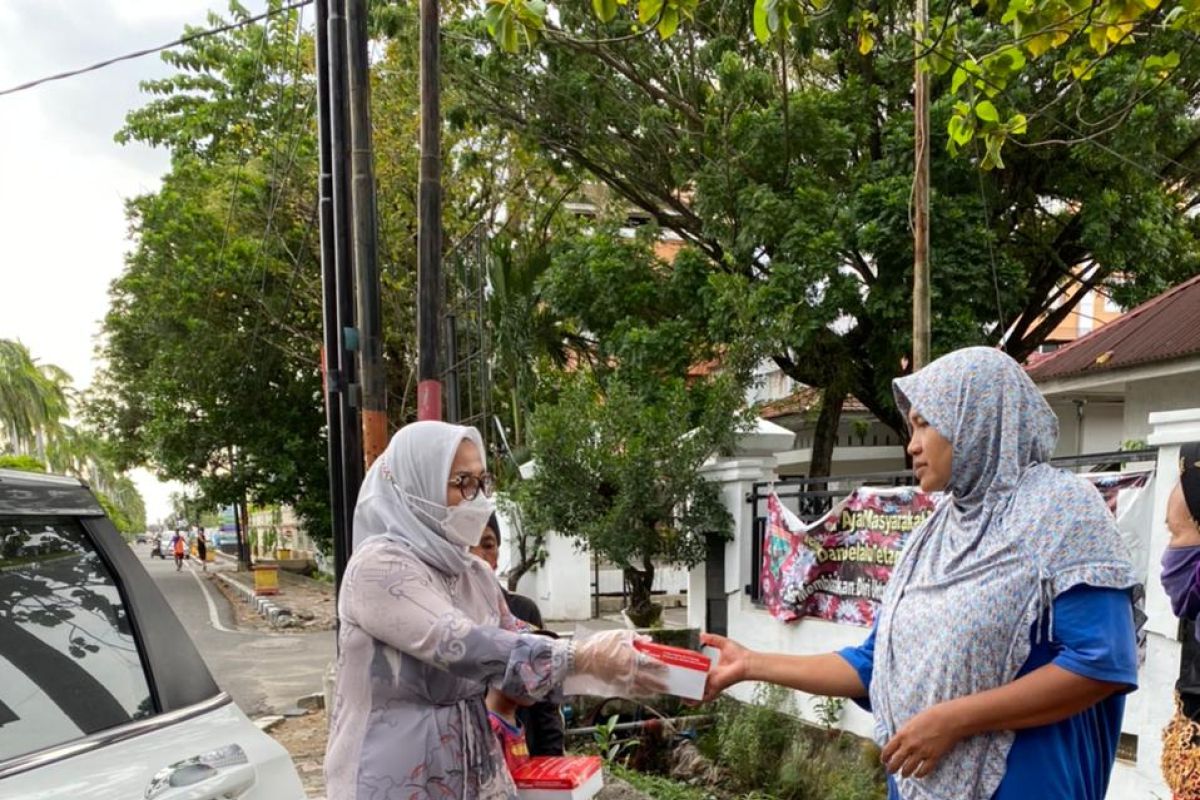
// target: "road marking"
[[212, 607]]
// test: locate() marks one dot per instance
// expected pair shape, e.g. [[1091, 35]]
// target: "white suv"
[[102, 694]]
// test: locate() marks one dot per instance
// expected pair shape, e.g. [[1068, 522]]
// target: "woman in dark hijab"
[[1181, 580]]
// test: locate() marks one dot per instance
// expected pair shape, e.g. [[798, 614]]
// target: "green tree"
[[22, 463], [213, 335], [619, 439], [1079, 35], [789, 170], [36, 402], [212, 338], [34, 398]]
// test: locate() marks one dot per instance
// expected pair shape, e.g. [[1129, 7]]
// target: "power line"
[[182, 40]]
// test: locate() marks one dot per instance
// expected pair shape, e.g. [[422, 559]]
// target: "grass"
[[660, 787]]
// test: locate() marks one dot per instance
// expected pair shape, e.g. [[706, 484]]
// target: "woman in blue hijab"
[[1005, 641]]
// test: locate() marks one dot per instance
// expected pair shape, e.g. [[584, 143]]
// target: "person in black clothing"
[[543, 722], [202, 547], [1181, 581]]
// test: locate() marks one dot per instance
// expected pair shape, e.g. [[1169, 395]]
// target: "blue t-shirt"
[[1070, 760]]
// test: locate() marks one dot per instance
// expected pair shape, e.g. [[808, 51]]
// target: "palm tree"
[[35, 406], [34, 399]]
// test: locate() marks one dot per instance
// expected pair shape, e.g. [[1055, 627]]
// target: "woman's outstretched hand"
[[732, 666]]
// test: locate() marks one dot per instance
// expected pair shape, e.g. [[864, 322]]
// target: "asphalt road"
[[263, 672]]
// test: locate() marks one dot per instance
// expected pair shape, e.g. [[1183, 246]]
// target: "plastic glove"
[[615, 667]]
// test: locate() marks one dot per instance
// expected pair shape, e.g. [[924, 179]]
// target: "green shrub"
[[776, 756], [754, 737]]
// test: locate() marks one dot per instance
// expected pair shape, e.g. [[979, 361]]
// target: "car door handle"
[[218, 774]]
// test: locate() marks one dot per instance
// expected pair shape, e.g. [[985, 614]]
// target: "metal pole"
[[921, 307], [429, 220], [339, 140], [333, 383], [366, 249]]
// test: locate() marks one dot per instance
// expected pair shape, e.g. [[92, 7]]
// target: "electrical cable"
[[182, 40]]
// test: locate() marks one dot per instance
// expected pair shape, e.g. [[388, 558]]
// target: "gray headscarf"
[[416, 461], [1013, 534]]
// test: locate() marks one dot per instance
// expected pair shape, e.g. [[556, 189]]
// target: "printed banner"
[[838, 567], [1113, 484]]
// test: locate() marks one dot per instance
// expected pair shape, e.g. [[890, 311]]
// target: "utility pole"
[[429, 220], [337, 286], [339, 118], [920, 213], [366, 250], [331, 374]]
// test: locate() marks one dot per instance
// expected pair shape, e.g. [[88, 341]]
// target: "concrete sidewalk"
[[301, 602]]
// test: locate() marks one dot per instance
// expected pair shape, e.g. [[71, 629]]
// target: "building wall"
[[562, 586], [1101, 429], [1108, 423], [289, 532], [1093, 311], [1160, 394]]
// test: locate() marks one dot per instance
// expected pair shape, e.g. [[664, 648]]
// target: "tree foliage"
[[789, 169], [213, 336], [211, 340], [36, 404], [619, 444], [1075, 35]]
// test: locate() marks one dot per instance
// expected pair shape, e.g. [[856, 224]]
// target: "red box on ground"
[[559, 778], [687, 670]]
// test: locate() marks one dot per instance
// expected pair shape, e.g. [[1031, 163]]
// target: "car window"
[[69, 664]]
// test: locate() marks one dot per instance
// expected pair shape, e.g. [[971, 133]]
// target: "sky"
[[64, 181]]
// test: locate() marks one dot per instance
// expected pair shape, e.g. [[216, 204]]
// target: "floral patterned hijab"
[[1013, 534]]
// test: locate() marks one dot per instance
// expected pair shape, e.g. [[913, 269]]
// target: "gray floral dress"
[[418, 648]]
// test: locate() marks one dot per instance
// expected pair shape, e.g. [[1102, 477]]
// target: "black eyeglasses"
[[472, 485]]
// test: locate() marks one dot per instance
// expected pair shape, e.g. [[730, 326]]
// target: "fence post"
[[753, 461]]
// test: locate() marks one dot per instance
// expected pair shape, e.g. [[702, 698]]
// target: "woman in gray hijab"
[[1005, 641], [424, 632]]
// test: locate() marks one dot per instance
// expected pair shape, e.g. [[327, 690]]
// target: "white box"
[[687, 670]]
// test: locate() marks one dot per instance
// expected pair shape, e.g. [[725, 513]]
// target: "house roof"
[[1161, 329], [804, 399]]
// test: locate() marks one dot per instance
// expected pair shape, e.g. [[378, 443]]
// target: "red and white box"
[[687, 670], [559, 778]]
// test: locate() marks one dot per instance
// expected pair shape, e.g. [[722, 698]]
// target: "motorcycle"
[[157, 549]]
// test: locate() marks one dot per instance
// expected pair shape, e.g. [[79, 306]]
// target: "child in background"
[[502, 714]]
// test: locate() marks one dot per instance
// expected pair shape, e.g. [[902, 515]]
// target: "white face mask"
[[462, 524]]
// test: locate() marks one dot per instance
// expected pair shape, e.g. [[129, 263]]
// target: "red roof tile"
[[1160, 329], [804, 399]]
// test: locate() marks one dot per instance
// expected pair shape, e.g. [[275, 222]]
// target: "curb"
[[278, 616]]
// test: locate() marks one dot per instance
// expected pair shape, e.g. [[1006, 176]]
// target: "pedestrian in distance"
[[424, 633], [179, 547], [1181, 581], [202, 548], [542, 722], [1005, 642]]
